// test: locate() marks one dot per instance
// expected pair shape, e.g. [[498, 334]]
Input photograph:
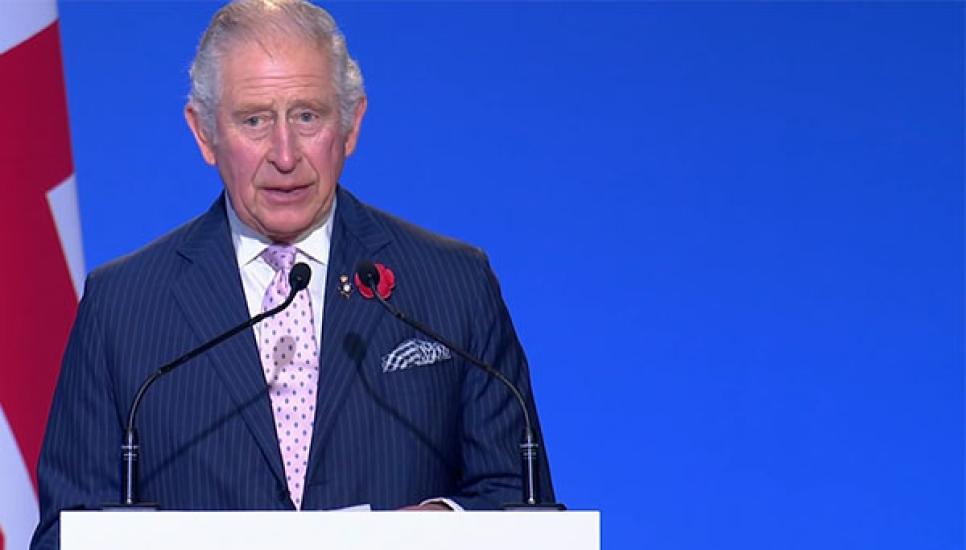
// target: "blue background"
[[731, 235]]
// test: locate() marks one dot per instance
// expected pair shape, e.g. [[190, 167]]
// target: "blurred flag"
[[41, 260]]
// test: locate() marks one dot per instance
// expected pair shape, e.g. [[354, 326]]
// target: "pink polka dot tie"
[[290, 360]]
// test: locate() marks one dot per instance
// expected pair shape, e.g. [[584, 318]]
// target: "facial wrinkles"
[[269, 83], [283, 97], [280, 96]]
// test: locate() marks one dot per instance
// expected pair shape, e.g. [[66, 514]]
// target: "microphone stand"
[[130, 447], [529, 447]]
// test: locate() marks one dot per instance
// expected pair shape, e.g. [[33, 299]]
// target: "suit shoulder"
[[408, 234], [153, 260]]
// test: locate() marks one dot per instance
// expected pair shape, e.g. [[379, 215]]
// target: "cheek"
[[325, 150], [242, 164]]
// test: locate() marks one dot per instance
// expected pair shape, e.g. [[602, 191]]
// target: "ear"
[[353, 136], [201, 135]]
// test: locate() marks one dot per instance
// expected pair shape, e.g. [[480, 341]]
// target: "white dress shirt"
[[312, 248]]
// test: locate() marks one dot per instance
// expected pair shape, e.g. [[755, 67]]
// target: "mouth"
[[286, 194]]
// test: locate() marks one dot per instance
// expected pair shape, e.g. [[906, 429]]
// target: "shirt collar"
[[249, 244]]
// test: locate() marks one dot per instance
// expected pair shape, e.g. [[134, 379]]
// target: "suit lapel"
[[211, 296], [346, 324]]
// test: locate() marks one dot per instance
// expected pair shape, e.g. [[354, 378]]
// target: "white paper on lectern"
[[356, 508]]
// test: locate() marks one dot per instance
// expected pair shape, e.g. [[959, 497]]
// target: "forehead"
[[258, 68]]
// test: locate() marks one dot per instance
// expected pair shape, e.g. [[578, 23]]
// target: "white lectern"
[[137, 530]]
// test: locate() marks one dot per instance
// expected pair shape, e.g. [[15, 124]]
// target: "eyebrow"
[[254, 107], [321, 106], [248, 108]]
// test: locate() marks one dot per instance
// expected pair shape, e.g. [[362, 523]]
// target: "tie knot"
[[280, 256]]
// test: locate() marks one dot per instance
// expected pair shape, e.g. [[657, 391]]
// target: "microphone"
[[369, 275], [298, 280]]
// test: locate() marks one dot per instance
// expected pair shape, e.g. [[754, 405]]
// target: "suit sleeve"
[[492, 424], [79, 465]]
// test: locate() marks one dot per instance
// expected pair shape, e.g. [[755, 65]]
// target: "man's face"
[[278, 142]]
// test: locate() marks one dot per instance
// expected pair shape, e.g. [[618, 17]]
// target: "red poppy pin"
[[387, 280]]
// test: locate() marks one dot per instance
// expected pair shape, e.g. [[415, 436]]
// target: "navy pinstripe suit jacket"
[[207, 434]]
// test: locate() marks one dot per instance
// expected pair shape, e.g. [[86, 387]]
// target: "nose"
[[284, 154]]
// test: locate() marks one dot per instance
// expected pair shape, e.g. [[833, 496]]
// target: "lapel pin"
[[345, 287]]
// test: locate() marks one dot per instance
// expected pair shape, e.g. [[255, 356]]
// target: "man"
[[329, 404]]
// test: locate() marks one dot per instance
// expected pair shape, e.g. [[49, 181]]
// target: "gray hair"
[[259, 20]]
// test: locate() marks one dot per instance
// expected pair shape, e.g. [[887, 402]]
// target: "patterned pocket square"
[[414, 353]]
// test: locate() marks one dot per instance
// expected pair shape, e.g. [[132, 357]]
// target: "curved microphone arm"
[[198, 351], [298, 279], [456, 349], [369, 275]]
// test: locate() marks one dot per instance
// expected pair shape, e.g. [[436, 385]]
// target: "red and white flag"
[[41, 259]]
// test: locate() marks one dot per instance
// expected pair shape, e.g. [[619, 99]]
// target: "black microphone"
[[298, 279], [529, 447]]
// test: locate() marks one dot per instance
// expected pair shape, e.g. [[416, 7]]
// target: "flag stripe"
[[63, 206], [22, 19], [35, 141], [18, 505], [38, 290]]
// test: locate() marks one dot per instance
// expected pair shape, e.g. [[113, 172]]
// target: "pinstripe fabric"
[[207, 435]]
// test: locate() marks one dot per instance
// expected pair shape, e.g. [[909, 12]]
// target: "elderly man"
[[330, 404]]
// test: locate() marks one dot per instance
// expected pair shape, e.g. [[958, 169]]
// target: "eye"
[[306, 117], [254, 121]]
